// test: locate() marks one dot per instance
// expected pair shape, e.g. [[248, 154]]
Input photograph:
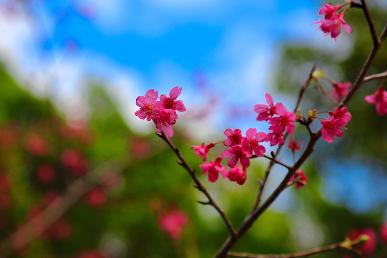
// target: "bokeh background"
[[69, 75]]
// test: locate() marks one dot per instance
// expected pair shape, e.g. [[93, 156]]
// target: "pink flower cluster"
[[334, 125], [333, 20], [280, 119], [163, 110], [299, 179], [379, 99], [239, 151]]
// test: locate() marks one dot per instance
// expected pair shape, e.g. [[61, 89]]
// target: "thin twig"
[[378, 76], [371, 25], [199, 185], [308, 253], [277, 162]]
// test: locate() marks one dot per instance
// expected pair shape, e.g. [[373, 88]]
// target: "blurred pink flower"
[[340, 90], [379, 99], [173, 223]]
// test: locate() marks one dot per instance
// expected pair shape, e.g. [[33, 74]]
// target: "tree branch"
[[378, 76], [254, 215], [370, 22], [199, 185], [308, 253]]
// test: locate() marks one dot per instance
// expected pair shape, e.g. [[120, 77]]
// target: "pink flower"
[[379, 98], [45, 174], [340, 90], [265, 111], [299, 179], [96, 197], [170, 102], [250, 143], [165, 119], [333, 125], [284, 121], [75, 162], [236, 153], [333, 21], [294, 145], [275, 138], [369, 246], [213, 169], [233, 137], [147, 105], [173, 223], [383, 233], [329, 10], [202, 150], [237, 174], [341, 114]]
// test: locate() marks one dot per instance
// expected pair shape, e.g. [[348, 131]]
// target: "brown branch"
[[34, 227], [254, 215], [210, 201], [378, 76], [359, 80], [308, 253], [370, 22]]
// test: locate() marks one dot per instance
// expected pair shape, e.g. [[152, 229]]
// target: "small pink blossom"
[[164, 120], [275, 138], [250, 143], [285, 121], [147, 105], [173, 223], [333, 125], [369, 246], [45, 174], [333, 20], [340, 90], [237, 174], [236, 153], [213, 169], [294, 145], [329, 10], [203, 150], [379, 99], [299, 179], [233, 137], [170, 102], [265, 111], [383, 233]]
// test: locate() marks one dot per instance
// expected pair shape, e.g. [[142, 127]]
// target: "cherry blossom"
[[213, 169], [203, 150], [379, 99]]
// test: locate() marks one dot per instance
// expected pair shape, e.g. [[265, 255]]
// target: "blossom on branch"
[[299, 179], [163, 112], [333, 20], [369, 245], [379, 99], [203, 150], [334, 125], [340, 90], [213, 169]]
